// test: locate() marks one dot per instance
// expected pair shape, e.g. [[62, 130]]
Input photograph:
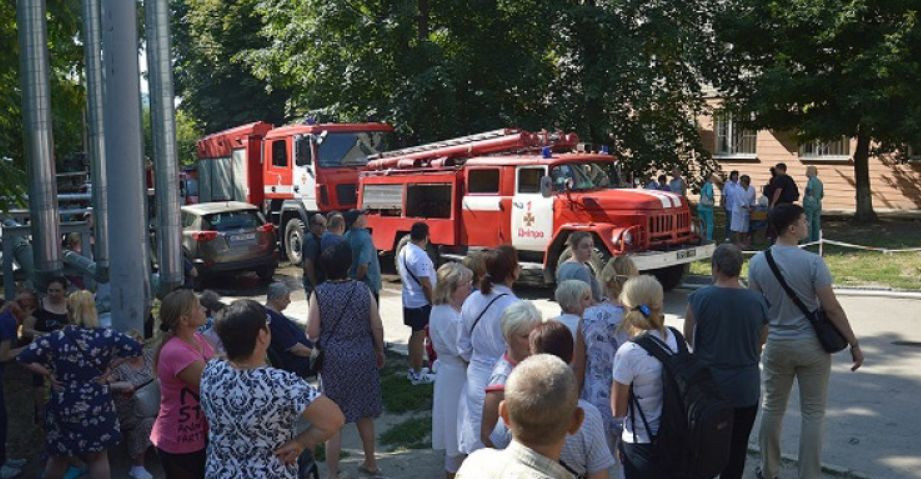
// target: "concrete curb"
[[830, 469]]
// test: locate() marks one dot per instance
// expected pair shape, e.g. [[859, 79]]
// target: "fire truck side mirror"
[[546, 186], [303, 154]]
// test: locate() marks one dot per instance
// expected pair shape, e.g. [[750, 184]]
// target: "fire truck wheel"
[[671, 277], [294, 239]]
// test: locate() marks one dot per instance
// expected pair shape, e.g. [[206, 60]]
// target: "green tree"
[[826, 69], [625, 73], [215, 87], [187, 135]]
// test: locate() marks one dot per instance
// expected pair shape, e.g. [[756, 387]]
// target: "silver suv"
[[228, 236]]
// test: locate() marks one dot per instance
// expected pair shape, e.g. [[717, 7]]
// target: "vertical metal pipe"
[[129, 256], [92, 51], [39, 141], [166, 162]]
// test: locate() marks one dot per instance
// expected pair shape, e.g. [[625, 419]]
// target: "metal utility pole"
[[39, 141], [166, 162], [92, 51], [129, 270]]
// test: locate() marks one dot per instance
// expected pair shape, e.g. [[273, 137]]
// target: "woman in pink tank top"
[[180, 432]]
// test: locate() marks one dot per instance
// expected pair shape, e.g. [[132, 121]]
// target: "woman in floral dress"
[[80, 418], [600, 336], [343, 317]]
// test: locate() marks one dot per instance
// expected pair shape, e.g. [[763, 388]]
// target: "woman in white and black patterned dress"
[[252, 408], [343, 317]]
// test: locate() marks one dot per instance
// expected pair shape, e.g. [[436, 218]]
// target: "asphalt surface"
[[873, 422]]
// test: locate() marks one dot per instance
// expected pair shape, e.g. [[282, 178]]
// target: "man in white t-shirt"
[[417, 274]]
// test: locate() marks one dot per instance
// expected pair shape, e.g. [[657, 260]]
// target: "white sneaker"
[[9, 472], [420, 378], [139, 473]]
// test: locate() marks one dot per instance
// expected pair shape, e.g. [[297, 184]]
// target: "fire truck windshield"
[[349, 148], [585, 176]]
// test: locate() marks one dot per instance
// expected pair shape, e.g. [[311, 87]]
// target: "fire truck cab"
[[289, 171], [531, 191]]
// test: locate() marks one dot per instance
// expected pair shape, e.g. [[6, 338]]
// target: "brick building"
[[895, 180]]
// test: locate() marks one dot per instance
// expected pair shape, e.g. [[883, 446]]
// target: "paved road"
[[873, 420]]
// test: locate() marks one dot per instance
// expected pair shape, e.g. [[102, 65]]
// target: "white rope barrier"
[[822, 242]]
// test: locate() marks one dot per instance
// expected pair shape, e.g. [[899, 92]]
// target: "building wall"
[[895, 184]]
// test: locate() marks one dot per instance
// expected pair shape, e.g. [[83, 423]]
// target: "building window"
[[732, 140], [835, 150]]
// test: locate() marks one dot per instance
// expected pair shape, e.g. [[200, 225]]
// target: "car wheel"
[[294, 241]]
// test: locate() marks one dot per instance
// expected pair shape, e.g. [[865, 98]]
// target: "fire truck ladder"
[[494, 141], [461, 140]]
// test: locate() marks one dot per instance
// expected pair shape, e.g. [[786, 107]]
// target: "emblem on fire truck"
[[528, 219]]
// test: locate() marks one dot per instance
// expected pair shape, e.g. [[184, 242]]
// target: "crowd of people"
[[601, 396], [225, 390], [746, 210]]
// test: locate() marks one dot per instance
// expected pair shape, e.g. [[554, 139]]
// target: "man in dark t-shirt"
[[784, 188], [727, 325], [290, 349]]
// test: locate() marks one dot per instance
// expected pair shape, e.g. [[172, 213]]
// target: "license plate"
[[243, 237], [687, 253]]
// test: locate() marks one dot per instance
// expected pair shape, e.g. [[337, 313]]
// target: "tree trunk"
[[423, 23], [865, 211]]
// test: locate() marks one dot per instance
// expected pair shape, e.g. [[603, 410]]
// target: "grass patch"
[[413, 433], [398, 394], [851, 267]]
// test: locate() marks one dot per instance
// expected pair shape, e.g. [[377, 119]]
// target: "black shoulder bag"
[[318, 362], [477, 320], [832, 340]]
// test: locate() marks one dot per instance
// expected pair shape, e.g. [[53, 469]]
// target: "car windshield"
[[233, 220], [585, 176], [350, 148]]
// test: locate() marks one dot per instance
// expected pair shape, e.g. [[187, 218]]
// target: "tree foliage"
[[826, 69], [625, 73], [217, 90]]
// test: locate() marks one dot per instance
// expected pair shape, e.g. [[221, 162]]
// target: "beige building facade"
[[895, 180]]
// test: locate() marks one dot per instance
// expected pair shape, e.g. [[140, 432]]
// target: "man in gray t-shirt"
[[793, 352], [805, 272]]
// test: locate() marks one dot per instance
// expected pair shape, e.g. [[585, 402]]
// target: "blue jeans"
[[706, 216]]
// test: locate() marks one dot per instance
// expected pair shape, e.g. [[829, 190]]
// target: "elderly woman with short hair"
[[517, 323], [451, 289], [574, 297], [252, 408]]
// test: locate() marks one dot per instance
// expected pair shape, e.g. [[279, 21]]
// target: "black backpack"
[[695, 430]]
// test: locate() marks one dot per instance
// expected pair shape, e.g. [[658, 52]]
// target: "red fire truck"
[[290, 171], [530, 190]]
